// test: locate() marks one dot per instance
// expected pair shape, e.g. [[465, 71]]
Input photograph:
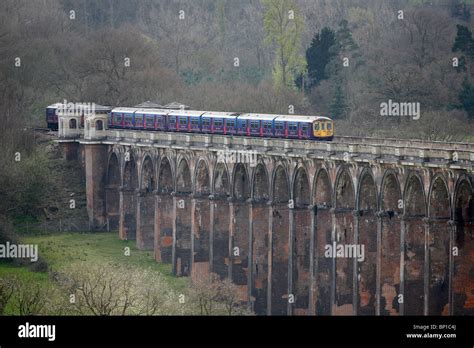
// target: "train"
[[215, 122], [224, 123]]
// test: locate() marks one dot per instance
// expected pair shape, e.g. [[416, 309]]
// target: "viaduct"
[[266, 223]]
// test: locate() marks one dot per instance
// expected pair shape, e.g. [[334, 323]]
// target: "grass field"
[[66, 249], [63, 249]]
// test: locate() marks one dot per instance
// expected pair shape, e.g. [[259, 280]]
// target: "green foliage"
[[283, 26], [338, 108], [464, 41], [466, 98], [318, 55], [24, 184]]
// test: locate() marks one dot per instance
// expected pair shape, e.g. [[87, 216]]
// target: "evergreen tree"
[[346, 43], [338, 107], [318, 55], [464, 41], [466, 98]]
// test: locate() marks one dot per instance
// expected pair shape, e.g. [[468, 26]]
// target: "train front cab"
[[323, 129]]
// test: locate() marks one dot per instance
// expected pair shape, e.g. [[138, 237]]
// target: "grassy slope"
[[62, 250]]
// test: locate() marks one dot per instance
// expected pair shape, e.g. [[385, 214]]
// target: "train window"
[[329, 126], [254, 124], [150, 121], [279, 126], [217, 123], [316, 126], [304, 128], [194, 123], [322, 126], [182, 121], [230, 123], [205, 122], [292, 127]]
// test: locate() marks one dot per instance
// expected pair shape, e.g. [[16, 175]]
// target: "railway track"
[[407, 143]]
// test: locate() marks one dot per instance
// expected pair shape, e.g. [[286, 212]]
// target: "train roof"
[[191, 113], [301, 118], [149, 111], [124, 110], [220, 114], [264, 117], [53, 106]]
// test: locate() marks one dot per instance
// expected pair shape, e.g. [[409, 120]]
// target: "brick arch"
[[414, 196], [322, 189], [367, 195], [390, 220], [344, 193], [183, 212], [463, 283], [240, 182], [147, 175], [221, 190], [201, 221], [260, 195], [280, 184], [438, 198], [414, 251], [164, 210], [165, 176], [128, 226], [202, 181], [221, 182], [344, 234], [146, 205], [366, 203], [322, 199], [280, 241], [301, 258], [239, 233], [260, 183], [301, 192], [390, 192], [184, 183], [113, 183], [439, 212]]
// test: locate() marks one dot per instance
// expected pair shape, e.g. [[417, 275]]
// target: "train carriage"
[[52, 116], [155, 119], [184, 120], [261, 125], [122, 118], [226, 123], [219, 122]]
